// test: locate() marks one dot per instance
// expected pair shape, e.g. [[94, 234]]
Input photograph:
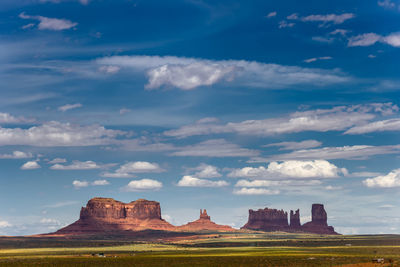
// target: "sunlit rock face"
[[271, 220], [107, 214]]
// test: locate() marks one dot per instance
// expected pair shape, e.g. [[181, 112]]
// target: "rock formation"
[[267, 220], [319, 221], [204, 223], [295, 220], [270, 220], [107, 215]]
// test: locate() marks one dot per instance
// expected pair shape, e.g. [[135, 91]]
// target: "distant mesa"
[[205, 223], [271, 220], [109, 215], [106, 215]]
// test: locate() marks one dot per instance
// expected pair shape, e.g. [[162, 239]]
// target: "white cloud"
[[189, 73], [206, 171], [335, 19], [141, 185], [123, 111], [333, 188], [309, 60], [291, 169], [386, 4], [393, 39], [255, 191], [285, 24], [30, 165], [16, 155], [190, 181], [53, 24], [268, 183], [296, 145], [110, 69], [57, 160], [8, 118], [365, 39], [80, 184], [49, 221], [59, 134], [188, 77], [4, 224], [100, 182], [128, 169], [342, 32], [376, 126], [69, 106], [271, 14], [214, 148], [320, 120], [78, 165], [392, 179], [357, 152], [368, 39]]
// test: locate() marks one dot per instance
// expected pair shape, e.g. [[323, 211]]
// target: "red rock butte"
[[271, 220], [108, 215], [204, 223]]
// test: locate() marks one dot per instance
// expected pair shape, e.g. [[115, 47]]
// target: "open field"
[[237, 249]]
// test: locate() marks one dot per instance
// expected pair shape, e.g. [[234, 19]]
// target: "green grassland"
[[233, 249]]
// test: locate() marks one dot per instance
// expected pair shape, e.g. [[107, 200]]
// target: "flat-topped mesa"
[[204, 223], [107, 214], [267, 220], [295, 220]]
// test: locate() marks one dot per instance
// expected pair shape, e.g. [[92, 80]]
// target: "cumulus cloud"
[[255, 191], [392, 179], [109, 69], [188, 77], [4, 224], [8, 118], [128, 169], [80, 184], [357, 152], [284, 24], [69, 106], [16, 155], [214, 148], [53, 24], [142, 185], [271, 14], [50, 221], [205, 171], [78, 165], [30, 165], [59, 134], [291, 169], [386, 4], [296, 145], [190, 181], [319, 120], [189, 73]]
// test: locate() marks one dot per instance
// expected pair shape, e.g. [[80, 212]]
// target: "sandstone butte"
[[108, 215], [277, 220]]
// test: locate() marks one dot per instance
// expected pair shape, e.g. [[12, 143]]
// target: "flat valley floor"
[[207, 249]]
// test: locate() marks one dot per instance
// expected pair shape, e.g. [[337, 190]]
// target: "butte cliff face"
[[270, 220], [267, 220], [204, 223], [108, 215], [319, 221]]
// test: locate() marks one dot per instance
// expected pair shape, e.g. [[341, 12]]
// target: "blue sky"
[[223, 105]]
